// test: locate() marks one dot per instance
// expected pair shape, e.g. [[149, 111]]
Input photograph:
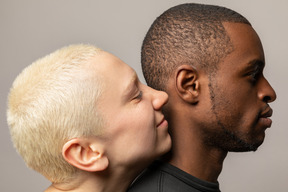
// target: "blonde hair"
[[51, 101]]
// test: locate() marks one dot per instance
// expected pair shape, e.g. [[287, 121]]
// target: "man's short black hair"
[[186, 34]]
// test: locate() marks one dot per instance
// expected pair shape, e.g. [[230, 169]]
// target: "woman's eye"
[[139, 96]]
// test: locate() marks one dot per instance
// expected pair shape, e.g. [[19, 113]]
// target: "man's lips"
[[264, 118], [267, 113]]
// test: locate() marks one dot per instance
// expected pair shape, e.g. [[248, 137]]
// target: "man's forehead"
[[245, 40], [239, 32]]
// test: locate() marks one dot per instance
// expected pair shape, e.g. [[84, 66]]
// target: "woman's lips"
[[163, 123]]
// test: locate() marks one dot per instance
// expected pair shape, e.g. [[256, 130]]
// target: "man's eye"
[[254, 75], [256, 72]]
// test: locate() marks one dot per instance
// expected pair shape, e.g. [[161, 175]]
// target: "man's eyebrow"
[[257, 63]]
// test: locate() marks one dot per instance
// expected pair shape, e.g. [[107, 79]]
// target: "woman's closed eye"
[[139, 96]]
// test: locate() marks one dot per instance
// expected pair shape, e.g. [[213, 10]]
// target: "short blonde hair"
[[51, 101]]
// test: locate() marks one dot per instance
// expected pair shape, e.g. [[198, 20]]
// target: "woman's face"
[[135, 129]]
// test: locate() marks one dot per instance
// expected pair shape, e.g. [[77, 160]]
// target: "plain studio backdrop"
[[31, 29]]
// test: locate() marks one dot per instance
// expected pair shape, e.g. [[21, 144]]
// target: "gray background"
[[33, 28]]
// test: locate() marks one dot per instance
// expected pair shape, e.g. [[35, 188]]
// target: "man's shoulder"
[[163, 177], [151, 179]]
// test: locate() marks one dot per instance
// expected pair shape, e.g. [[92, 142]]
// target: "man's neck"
[[193, 156], [205, 165]]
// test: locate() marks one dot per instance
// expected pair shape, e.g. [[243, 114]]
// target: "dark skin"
[[212, 115]]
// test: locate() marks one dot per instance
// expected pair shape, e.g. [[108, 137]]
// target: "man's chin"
[[245, 147]]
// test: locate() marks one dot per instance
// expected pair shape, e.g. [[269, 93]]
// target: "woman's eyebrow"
[[129, 89]]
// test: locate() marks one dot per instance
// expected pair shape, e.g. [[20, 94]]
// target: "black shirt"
[[163, 177]]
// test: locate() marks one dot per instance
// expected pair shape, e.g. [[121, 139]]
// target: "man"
[[81, 118], [210, 61]]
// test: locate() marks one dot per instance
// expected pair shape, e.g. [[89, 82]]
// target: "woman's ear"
[[85, 154], [187, 83]]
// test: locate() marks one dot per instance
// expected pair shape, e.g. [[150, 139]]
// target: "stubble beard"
[[220, 134]]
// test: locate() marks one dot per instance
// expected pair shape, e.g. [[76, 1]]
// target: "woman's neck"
[[94, 182]]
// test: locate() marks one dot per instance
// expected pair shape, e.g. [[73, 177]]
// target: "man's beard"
[[220, 134], [224, 139]]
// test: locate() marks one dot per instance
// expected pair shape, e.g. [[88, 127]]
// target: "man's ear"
[[85, 154], [187, 83]]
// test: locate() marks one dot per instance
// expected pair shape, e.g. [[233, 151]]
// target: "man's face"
[[135, 130], [240, 94]]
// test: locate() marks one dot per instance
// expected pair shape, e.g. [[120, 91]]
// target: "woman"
[[81, 118]]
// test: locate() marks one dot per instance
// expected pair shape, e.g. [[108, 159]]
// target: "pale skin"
[[239, 106], [111, 161]]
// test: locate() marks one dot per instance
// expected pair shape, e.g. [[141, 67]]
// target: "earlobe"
[[187, 83], [85, 155]]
